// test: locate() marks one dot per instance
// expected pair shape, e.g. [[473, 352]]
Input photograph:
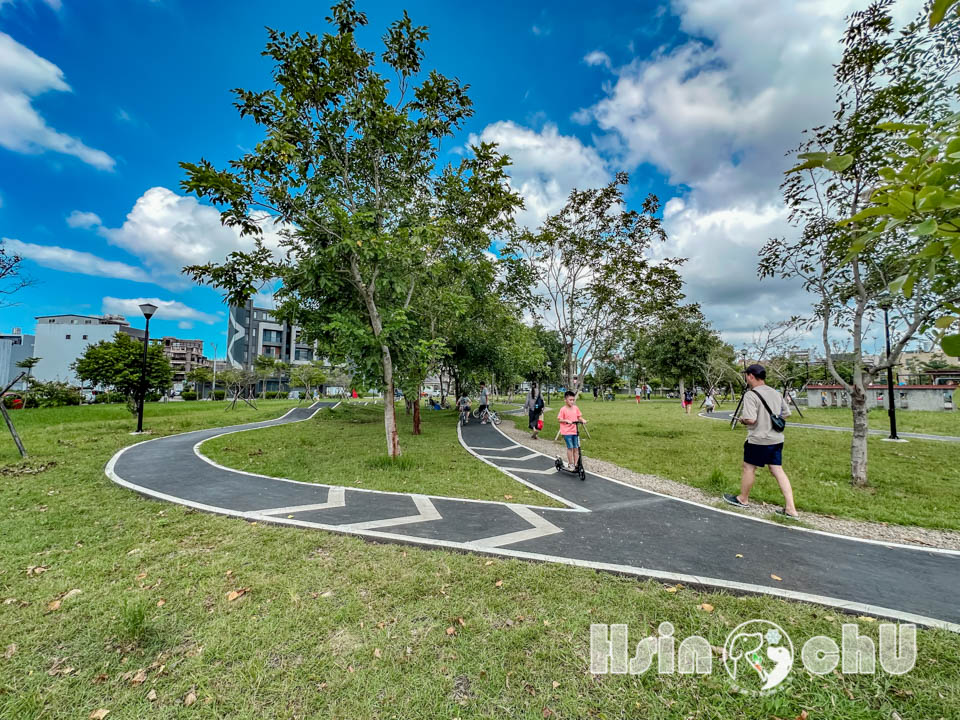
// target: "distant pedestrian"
[[708, 402], [595, 393], [484, 403], [638, 391], [687, 401], [648, 390], [534, 408], [764, 445]]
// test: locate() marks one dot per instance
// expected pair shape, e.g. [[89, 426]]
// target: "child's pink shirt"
[[570, 414]]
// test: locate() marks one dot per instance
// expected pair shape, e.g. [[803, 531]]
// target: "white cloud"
[[78, 219], [597, 57], [23, 76], [169, 231], [53, 4], [166, 310], [546, 166], [716, 114], [75, 261]]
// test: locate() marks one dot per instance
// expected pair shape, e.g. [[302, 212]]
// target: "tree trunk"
[[858, 446], [682, 388], [416, 417], [389, 410]]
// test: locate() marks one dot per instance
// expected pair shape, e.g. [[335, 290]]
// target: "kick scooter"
[[578, 469]]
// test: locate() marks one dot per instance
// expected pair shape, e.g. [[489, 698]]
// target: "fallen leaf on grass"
[[508, 497], [99, 714], [152, 695], [777, 578], [190, 699], [671, 589], [547, 712], [235, 594], [141, 576], [866, 618], [139, 678], [11, 651], [451, 630], [35, 570], [498, 583], [102, 677], [739, 555], [463, 623], [489, 562], [706, 607], [555, 684], [161, 602], [803, 715], [377, 653]]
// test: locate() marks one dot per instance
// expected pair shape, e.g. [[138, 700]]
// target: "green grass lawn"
[[917, 421], [332, 626], [342, 447], [917, 483]]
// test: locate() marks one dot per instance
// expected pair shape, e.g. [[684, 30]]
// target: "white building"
[[61, 339], [13, 348]]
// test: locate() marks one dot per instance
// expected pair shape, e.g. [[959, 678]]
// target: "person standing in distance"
[[638, 391], [484, 403], [764, 445]]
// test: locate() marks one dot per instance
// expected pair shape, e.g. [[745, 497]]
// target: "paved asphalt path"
[[726, 415], [605, 525]]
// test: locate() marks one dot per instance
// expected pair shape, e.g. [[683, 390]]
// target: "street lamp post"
[[213, 390], [891, 406], [148, 310]]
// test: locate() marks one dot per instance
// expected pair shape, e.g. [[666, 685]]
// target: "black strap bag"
[[776, 421]]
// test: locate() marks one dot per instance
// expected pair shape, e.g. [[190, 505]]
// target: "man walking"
[[764, 445]]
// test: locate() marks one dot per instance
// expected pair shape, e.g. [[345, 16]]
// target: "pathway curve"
[[726, 415], [606, 525]]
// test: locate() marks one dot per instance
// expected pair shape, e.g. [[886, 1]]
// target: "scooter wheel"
[[583, 474], [559, 464]]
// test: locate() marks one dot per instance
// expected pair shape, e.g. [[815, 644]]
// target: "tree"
[[309, 376], [677, 347], [28, 364], [118, 364], [904, 79], [264, 366], [591, 260], [12, 279], [280, 369], [199, 376], [349, 168]]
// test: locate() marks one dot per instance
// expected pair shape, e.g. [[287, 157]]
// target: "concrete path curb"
[[607, 525]]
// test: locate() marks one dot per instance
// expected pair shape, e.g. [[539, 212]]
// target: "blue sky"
[[697, 99]]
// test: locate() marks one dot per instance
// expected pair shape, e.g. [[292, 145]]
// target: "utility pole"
[[891, 405]]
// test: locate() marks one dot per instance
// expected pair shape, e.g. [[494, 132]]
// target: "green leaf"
[[838, 163], [897, 285], [945, 322], [934, 249], [939, 10], [927, 227], [955, 249], [953, 149], [908, 286], [951, 345]]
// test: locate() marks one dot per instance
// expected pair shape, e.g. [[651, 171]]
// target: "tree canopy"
[[118, 363]]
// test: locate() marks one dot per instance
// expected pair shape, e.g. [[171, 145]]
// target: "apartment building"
[[254, 331], [184, 356]]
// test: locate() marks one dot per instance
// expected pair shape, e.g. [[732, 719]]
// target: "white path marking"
[[426, 513], [504, 457], [508, 447], [336, 497], [540, 528], [551, 471]]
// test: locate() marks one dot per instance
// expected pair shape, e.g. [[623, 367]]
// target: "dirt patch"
[[26, 469]]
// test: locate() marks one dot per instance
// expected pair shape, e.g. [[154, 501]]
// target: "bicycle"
[[489, 415]]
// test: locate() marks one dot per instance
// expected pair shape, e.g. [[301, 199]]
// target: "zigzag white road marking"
[[336, 497], [427, 512], [551, 471], [508, 447], [502, 457], [540, 528]]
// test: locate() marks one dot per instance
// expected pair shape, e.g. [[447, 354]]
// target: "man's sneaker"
[[734, 500]]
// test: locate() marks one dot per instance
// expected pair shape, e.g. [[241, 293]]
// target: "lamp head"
[[148, 310]]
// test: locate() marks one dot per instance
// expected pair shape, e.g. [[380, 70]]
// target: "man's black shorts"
[[761, 455]]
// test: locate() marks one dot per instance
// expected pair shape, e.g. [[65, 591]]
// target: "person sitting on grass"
[[568, 417], [708, 402]]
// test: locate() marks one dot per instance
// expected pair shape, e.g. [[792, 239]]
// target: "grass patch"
[[917, 483], [332, 626], [915, 421], [346, 446]]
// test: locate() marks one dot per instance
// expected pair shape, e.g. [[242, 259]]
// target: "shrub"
[[110, 397], [52, 394], [188, 395], [219, 394]]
